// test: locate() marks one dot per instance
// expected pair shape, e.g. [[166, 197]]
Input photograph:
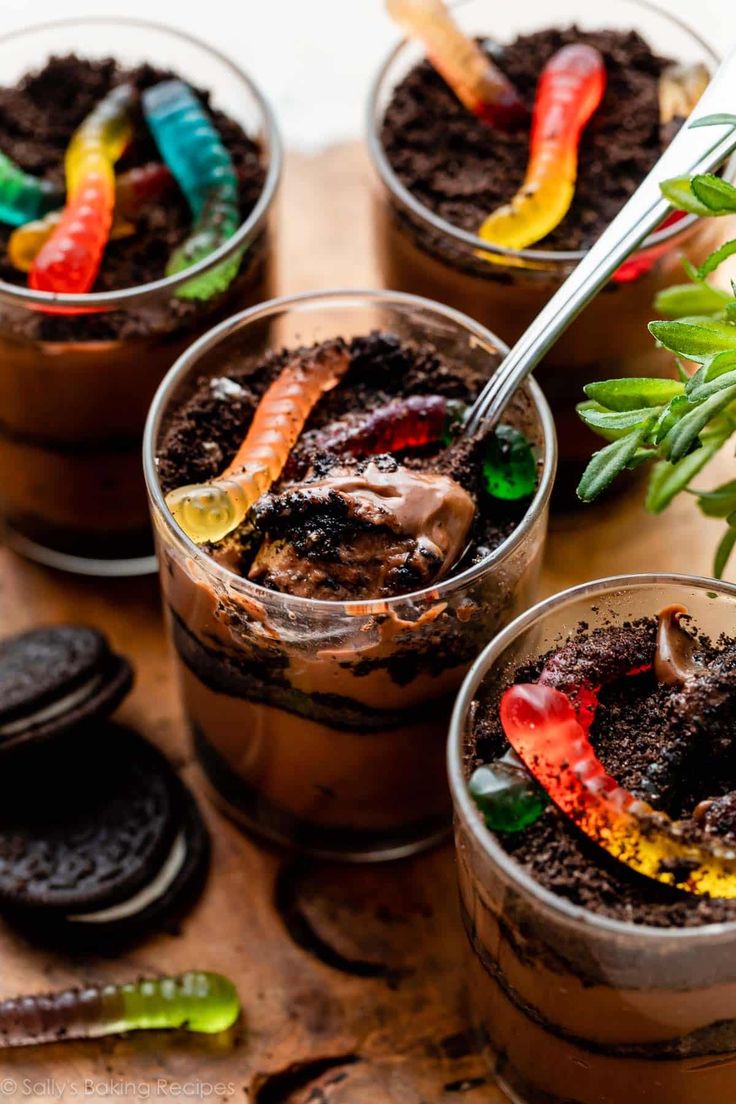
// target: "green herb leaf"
[[702, 391], [641, 456], [683, 299], [691, 270], [720, 502], [684, 435], [667, 480], [710, 264], [721, 118], [715, 193], [695, 339], [613, 424], [679, 193], [725, 548], [718, 365], [605, 465], [676, 409], [633, 394]]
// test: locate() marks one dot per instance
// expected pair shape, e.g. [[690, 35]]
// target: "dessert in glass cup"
[[442, 169], [96, 229], [591, 767], [332, 553]]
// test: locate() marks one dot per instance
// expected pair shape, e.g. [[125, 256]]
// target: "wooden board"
[[351, 978]]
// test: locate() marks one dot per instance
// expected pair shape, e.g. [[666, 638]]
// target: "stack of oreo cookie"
[[100, 841]]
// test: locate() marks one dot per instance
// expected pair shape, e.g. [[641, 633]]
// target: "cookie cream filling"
[[56, 709], [160, 885]]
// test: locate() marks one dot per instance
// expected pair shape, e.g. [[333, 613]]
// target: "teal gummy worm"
[[192, 148], [23, 197], [196, 1001]]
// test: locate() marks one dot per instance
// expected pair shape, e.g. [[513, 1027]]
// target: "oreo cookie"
[[55, 679], [99, 839]]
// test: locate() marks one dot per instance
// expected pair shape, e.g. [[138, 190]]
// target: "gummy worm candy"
[[141, 187], [504, 791], [195, 1001], [193, 150], [209, 511], [509, 469], [570, 89], [24, 197], [69, 260], [27, 241], [400, 424], [543, 728], [134, 190], [644, 261], [680, 88], [507, 796], [470, 73]]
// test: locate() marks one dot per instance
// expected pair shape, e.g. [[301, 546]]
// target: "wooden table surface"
[[351, 977]]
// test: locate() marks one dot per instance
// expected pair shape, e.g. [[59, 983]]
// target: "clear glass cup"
[[572, 1007], [72, 411], [322, 724], [420, 252]]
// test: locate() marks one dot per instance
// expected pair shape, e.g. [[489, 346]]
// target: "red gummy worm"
[[138, 188], [400, 424], [70, 259], [570, 89], [645, 260]]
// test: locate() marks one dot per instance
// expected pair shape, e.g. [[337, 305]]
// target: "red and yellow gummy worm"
[[69, 260], [570, 89]]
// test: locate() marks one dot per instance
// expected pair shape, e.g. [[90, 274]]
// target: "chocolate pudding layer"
[[75, 387], [314, 675], [459, 169], [641, 1007]]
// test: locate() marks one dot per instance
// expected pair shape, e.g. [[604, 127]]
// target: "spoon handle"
[[693, 150]]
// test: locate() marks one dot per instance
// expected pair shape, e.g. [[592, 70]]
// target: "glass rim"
[[562, 908], [122, 297], [347, 297], [424, 214]]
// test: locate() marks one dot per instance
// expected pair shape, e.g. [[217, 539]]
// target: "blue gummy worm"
[[189, 143]]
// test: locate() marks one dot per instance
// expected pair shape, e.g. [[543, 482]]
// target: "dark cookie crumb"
[[460, 169], [643, 730]]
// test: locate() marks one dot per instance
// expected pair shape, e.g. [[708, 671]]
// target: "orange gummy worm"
[[475, 80], [209, 511]]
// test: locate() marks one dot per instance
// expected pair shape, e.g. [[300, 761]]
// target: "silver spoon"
[[691, 151]]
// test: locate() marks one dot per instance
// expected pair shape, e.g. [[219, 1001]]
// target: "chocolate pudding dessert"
[[76, 381], [321, 631], [444, 169], [604, 772]]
